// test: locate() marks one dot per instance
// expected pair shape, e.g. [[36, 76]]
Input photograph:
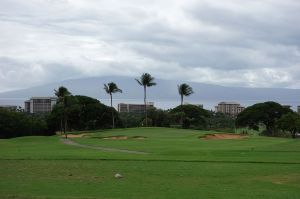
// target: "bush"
[[83, 113], [15, 124]]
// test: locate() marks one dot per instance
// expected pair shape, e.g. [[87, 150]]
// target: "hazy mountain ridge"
[[165, 90]]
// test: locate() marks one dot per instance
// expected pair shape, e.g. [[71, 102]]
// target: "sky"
[[247, 43]]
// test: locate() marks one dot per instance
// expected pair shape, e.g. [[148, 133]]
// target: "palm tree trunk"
[[112, 112], [64, 123], [145, 102], [181, 101], [181, 117], [61, 126], [64, 117], [65, 128]]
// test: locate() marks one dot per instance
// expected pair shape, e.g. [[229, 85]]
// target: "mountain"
[[164, 94]]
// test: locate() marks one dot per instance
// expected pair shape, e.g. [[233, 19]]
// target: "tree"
[[130, 120], [220, 121], [83, 113], [146, 80], [184, 90], [290, 122], [15, 124], [262, 113], [159, 117], [191, 114], [62, 93], [111, 88]]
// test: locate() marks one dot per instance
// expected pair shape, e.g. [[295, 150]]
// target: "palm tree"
[[184, 90], [111, 88], [146, 80], [62, 93]]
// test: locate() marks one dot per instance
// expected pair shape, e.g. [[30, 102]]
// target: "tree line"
[[85, 113], [76, 112]]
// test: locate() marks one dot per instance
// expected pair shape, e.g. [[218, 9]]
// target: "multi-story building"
[[40, 104], [229, 108], [134, 108]]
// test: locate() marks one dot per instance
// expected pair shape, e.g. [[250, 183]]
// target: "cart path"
[[72, 143]]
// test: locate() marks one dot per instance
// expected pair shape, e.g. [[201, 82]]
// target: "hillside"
[[164, 95]]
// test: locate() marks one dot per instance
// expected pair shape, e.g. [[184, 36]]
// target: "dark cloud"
[[240, 43]]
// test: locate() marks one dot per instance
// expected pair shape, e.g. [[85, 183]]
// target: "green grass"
[[180, 165]]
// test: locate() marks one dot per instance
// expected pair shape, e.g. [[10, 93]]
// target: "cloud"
[[236, 43]]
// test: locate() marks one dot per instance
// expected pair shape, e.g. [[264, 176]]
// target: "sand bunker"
[[121, 137], [223, 136], [76, 135], [139, 137], [116, 138]]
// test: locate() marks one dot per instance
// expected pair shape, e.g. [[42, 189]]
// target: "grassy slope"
[[174, 144], [41, 167]]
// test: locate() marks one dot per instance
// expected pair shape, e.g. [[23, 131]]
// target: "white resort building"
[[40, 104]]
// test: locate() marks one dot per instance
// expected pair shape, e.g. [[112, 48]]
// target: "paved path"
[[71, 142]]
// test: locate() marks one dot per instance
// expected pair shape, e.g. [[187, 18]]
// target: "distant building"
[[9, 107], [134, 108], [229, 108], [40, 104], [298, 109]]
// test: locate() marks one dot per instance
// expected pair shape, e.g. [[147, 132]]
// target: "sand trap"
[[76, 135], [139, 137], [223, 137], [116, 138], [121, 137]]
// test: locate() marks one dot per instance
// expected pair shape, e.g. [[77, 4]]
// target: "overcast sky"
[[252, 43]]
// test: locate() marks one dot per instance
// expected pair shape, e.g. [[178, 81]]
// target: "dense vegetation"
[[15, 124], [183, 116], [85, 113], [75, 112], [275, 118]]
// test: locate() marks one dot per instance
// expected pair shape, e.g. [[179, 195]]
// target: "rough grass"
[[180, 165]]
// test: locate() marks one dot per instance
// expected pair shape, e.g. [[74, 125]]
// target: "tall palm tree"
[[146, 80], [62, 93], [111, 88], [184, 90]]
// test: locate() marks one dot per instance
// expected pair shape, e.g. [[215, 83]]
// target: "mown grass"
[[180, 165]]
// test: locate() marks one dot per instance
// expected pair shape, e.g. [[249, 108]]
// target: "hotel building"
[[229, 108], [134, 108], [40, 104]]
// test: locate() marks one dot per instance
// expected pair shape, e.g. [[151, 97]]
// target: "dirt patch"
[[120, 137], [223, 136]]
